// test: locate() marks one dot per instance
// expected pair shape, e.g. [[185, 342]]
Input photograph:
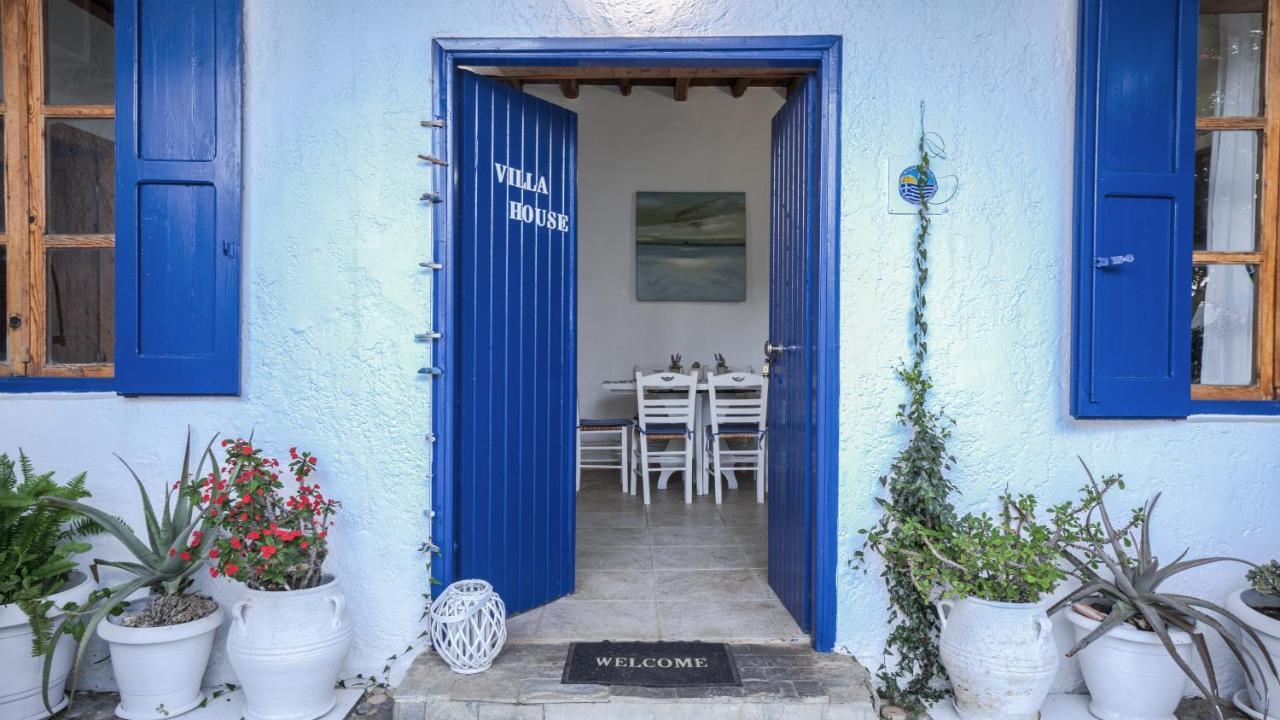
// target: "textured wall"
[[711, 142], [332, 295]]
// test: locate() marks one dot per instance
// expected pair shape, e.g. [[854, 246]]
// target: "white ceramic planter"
[[1129, 674], [1001, 657], [20, 673], [1264, 691], [158, 670], [287, 649]]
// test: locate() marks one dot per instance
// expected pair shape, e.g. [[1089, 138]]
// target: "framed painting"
[[691, 246]]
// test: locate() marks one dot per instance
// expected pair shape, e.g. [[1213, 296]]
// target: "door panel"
[[792, 328], [516, 343]]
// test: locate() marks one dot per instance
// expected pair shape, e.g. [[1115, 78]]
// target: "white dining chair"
[[602, 445], [735, 436], [665, 404]]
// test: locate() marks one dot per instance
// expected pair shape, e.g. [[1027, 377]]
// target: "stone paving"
[[779, 682], [101, 706]]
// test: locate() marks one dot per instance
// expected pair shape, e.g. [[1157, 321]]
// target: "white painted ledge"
[[1057, 707]]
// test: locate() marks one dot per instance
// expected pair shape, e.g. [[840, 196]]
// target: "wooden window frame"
[[25, 151]]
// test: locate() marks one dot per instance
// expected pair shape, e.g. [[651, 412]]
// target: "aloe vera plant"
[[1119, 567], [175, 547]]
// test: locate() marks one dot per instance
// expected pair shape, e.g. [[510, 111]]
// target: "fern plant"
[[38, 541]]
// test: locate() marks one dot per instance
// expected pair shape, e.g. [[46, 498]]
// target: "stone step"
[[780, 681]]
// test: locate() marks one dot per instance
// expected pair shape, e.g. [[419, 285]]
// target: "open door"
[[516, 345], [792, 416]]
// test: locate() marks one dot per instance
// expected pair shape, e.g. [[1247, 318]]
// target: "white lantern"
[[468, 626]]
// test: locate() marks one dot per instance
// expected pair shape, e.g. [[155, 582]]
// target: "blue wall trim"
[[821, 52], [55, 384]]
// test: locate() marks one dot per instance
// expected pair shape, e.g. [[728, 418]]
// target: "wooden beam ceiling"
[[737, 80]]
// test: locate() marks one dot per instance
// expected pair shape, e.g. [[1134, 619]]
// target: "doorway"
[[525, 535]]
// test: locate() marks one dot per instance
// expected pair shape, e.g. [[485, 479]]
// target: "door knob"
[[771, 350]]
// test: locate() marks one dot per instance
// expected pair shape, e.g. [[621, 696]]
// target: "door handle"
[[772, 351], [1112, 261]]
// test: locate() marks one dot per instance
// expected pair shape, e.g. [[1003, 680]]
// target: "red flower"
[[232, 569], [172, 552], [253, 535], [311, 460], [213, 572], [214, 553], [186, 556], [235, 543], [303, 544], [268, 551]]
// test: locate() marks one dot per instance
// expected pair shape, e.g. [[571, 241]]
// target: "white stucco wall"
[[710, 143], [333, 232]]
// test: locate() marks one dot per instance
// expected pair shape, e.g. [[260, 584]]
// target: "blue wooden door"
[[516, 346], [793, 336]]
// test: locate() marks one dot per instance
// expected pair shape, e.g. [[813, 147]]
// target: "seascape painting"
[[691, 246]]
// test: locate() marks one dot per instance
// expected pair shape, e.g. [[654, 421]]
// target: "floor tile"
[[691, 536], [744, 515], [750, 534], [757, 556], [614, 585], [634, 557], [570, 619], [612, 537], [726, 621], [621, 519], [740, 584], [715, 557], [523, 627], [699, 516]]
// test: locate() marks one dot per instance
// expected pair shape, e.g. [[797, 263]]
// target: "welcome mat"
[[650, 664]]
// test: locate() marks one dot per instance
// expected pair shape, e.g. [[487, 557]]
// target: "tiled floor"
[[667, 572]]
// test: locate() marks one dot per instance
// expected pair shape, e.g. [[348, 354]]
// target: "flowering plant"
[[267, 538]]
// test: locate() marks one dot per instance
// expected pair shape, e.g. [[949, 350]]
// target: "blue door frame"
[[822, 54]]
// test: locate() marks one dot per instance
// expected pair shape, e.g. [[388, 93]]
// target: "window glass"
[[1229, 71], [80, 305], [79, 52], [81, 176], [1223, 302], [1228, 187]]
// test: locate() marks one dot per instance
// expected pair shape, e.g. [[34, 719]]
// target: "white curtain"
[[1227, 314]]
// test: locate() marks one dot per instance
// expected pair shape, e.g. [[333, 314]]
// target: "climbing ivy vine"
[[916, 488]]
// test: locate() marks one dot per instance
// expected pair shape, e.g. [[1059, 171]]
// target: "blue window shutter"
[[178, 197], [1135, 151]]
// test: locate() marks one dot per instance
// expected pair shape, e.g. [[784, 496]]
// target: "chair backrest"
[[737, 397], [666, 398]]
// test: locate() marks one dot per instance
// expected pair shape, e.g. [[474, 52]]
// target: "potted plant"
[[1257, 605], [38, 576], [677, 364], [1134, 640], [159, 645], [993, 574], [722, 366], [289, 633]]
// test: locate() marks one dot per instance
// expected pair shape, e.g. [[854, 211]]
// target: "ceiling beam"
[[624, 87], [569, 88], [682, 89], [740, 86]]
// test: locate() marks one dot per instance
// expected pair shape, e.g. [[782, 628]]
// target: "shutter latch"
[[1101, 262]]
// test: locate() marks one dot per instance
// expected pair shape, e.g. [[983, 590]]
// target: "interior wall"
[[712, 142]]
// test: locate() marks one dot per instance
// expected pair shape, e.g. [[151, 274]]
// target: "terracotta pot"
[[1001, 657], [1129, 673], [20, 673], [287, 649], [159, 669]]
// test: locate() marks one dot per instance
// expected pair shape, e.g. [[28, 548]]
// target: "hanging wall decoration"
[[691, 246]]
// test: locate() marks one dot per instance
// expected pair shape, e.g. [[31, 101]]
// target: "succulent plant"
[[174, 550], [1265, 579], [1118, 566]]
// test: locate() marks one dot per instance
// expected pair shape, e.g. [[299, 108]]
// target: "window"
[[57, 256], [1233, 282], [1177, 208]]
